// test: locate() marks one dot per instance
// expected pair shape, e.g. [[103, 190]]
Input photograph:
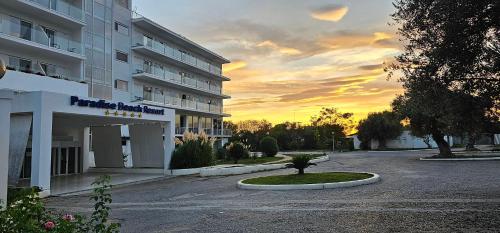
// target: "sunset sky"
[[290, 58]]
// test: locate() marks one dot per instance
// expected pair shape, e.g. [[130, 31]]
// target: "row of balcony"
[[18, 28], [160, 73], [175, 102], [208, 131], [61, 6], [176, 54]]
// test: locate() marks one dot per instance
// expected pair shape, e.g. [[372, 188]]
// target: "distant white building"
[[404, 141]]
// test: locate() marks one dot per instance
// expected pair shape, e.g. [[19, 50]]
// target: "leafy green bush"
[[237, 151], [300, 162], [221, 154], [269, 146], [193, 151], [25, 212]]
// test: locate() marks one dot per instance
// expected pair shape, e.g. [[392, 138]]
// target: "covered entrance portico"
[[68, 145]]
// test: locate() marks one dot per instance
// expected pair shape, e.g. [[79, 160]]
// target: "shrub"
[[25, 212], [269, 146], [300, 162], [237, 151], [193, 151], [221, 154]]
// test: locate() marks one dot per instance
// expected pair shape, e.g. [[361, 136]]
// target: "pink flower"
[[68, 217], [49, 225]]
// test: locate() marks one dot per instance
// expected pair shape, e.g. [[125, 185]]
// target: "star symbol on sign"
[[106, 112], [124, 114], [132, 115], [139, 115], [116, 113]]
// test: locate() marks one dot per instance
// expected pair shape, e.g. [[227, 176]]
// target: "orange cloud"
[[332, 13], [234, 65], [281, 49], [352, 40]]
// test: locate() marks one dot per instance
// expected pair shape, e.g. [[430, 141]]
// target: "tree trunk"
[[381, 144], [301, 171], [471, 141], [444, 147]]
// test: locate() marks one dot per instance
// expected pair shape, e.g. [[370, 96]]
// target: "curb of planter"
[[375, 178], [224, 171], [462, 159]]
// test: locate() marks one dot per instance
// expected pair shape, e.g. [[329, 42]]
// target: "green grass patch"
[[248, 161], [308, 178]]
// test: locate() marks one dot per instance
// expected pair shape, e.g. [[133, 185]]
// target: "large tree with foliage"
[[331, 121], [451, 52], [380, 126]]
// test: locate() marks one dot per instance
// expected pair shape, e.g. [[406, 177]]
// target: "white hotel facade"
[[87, 78]]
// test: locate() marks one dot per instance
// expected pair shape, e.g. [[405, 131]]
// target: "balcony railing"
[[37, 67], [63, 7], [208, 131], [12, 26], [176, 102], [176, 78], [175, 54]]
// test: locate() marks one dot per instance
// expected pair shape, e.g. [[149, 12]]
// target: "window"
[[26, 30], [121, 56], [121, 28], [121, 85], [123, 3], [148, 93]]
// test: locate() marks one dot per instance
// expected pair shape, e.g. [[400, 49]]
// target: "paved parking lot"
[[413, 196]]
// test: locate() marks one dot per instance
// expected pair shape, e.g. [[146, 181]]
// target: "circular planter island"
[[327, 180]]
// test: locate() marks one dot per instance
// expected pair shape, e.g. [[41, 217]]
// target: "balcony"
[[39, 68], [59, 12], [173, 56], [161, 76], [164, 33], [184, 104], [32, 75], [208, 131], [34, 39]]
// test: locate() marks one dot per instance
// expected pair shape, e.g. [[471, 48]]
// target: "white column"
[[41, 149], [86, 150], [5, 108], [169, 145]]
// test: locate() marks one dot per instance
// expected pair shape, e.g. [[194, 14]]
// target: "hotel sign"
[[102, 104]]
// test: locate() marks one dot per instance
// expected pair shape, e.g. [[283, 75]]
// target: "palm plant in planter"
[[300, 162]]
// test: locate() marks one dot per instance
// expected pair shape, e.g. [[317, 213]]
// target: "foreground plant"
[[237, 151], [300, 163], [26, 212], [193, 151]]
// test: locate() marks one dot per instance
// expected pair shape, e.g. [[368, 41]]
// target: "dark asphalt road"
[[413, 196]]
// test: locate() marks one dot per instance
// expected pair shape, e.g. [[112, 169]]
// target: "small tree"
[[300, 162], [236, 151], [269, 146], [381, 126]]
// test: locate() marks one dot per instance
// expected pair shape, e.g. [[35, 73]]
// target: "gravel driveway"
[[413, 196]]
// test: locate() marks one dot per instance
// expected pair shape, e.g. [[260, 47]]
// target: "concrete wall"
[[107, 147], [146, 142], [19, 81]]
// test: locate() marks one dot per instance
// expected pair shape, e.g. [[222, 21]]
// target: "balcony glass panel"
[[176, 54], [15, 27], [63, 7]]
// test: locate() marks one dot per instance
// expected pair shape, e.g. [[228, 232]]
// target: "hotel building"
[[86, 77]]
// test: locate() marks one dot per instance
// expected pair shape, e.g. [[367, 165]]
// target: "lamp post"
[[333, 141]]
